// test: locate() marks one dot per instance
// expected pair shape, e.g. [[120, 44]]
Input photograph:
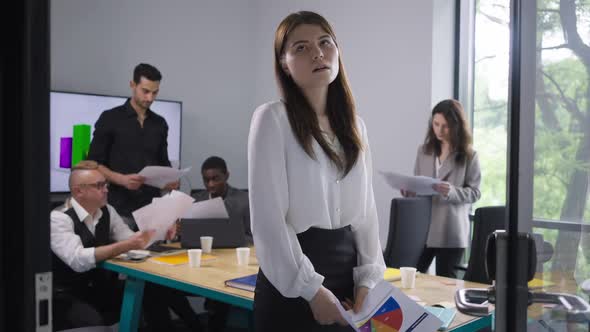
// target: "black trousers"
[[446, 260], [100, 305], [95, 305], [333, 255], [156, 302]]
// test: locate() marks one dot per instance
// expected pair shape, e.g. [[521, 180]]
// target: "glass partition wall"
[[554, 104]]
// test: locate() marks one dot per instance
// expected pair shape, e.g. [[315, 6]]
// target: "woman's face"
[[310, 57], [440, 127]]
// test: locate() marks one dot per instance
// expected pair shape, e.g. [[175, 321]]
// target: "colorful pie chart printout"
[[387, 309], [388, 318]]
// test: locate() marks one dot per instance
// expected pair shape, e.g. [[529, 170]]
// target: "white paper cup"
[[194, 257], [206, 243], [408, 277], [243, 255]]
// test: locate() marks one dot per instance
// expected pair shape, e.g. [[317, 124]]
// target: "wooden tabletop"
[[212, 274], [559, 282]]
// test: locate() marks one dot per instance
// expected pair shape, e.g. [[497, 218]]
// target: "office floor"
[[237, 319], [230, 327]]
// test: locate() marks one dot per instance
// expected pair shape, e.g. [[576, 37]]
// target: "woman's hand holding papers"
[[357, 305], [442, 188], [324, 309], [407, 193]]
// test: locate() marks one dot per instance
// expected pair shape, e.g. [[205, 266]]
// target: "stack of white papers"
[[386, 308], [162, 213], [212, 208], [421, 185], [160, 176]]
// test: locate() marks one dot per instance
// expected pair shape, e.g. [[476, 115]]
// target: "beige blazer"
[[449, 227]]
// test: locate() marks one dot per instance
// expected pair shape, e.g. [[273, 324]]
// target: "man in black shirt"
[[129, 137]]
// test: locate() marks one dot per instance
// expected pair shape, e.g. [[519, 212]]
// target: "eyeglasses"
[[98, 185]]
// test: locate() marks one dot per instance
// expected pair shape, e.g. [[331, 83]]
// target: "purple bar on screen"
[[65, 152]]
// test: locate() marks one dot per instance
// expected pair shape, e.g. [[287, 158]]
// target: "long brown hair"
[[340, 107], [460, 137]]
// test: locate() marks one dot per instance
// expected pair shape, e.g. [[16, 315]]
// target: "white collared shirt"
[[291, 192], [437, 166], [67, 245]]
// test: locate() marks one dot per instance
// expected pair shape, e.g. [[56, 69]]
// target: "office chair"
[[409, 221], [544, 251], [486, 221]]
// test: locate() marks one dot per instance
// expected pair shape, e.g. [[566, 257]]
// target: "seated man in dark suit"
[[85, 231], [215, 175]]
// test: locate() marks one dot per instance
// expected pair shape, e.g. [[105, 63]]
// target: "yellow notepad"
[[392, 274], [178, 259], [540, 283]]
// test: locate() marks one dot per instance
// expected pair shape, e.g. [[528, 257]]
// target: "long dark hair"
[[340, 107], [460, 137]]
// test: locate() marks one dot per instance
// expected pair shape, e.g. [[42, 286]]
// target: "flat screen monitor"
[[72, 119]]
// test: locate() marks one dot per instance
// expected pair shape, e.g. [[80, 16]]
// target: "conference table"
[[208, 281], [551, 315]]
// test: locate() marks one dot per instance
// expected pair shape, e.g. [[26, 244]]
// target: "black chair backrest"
[[486, 221], [409, 221]]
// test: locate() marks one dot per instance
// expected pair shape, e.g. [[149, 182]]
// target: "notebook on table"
[[444, 311], [539, 283], [246, 283], [392, 274], [179, 258]]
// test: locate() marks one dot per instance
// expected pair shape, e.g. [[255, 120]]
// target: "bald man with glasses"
[[85, 231]]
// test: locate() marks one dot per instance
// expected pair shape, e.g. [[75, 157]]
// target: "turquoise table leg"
[[131, 307]]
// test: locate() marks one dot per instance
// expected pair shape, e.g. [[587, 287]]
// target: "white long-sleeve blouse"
[[291, 192]]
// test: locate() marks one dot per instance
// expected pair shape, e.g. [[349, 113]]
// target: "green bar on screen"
[[81, 143]]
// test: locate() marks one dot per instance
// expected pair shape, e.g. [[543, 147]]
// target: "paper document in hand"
[[160, 176], [386, 308], [211, 208], [421, 185], [162, 213]]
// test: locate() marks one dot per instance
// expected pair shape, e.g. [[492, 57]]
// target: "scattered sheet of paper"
[[211, 208], [162, 213], [421, 185], [387, 305], [415, 298], [160, 176]]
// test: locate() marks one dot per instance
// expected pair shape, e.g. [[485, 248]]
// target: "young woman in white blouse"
[[310, 183], [447, 155]]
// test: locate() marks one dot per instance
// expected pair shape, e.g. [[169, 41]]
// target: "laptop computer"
[[226, 233]]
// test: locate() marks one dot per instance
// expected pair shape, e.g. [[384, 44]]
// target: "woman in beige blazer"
[[447, 155]]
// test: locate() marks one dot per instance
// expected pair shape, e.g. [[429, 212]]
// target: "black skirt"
[[333, 255]]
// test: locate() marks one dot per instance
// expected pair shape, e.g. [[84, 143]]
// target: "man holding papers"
[[129, 137], [85, 231], [215, 175]]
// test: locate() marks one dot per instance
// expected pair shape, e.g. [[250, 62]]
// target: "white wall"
[[202, 48], [216, 56], [443, 50]]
